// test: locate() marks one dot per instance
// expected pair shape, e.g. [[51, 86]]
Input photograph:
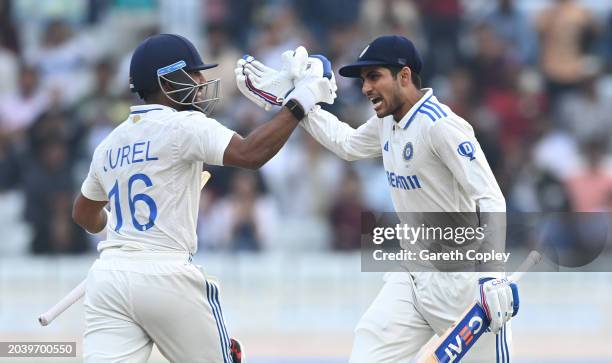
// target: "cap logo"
[[364, 50], [171, 68], [401, 61]]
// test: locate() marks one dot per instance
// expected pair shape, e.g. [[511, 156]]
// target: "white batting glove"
[[266, 86], [315, 86], [499, 299]]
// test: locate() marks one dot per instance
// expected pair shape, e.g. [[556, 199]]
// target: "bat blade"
[[463, 334], [457, 342]]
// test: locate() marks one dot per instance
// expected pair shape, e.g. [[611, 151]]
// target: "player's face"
[[200, 79], [382, 89]]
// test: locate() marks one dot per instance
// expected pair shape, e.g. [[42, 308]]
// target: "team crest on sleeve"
[[408, 151], [467, 149]]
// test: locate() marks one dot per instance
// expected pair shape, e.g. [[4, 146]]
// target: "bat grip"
[[532, 259], [67, 301]]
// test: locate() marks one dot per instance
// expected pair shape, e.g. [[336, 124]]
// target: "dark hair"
[[414, 77]]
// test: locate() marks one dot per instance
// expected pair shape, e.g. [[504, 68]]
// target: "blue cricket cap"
[[387, 50], [159, 51]]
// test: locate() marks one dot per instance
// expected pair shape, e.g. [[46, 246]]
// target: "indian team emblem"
[[467, 149], [408, 151]]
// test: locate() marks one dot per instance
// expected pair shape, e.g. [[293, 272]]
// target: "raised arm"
[[343, 140], [262, 143]]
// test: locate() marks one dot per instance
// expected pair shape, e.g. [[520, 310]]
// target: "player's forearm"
[[262, 143], [90, 215], [340, 138], [94, 224]]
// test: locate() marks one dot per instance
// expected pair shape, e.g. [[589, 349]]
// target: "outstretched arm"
[[262, 143], [343, 140]]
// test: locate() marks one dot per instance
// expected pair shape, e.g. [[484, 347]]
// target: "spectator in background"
[[221, 51], [392, 17], [322, 18], [249, 218], [345, 214], [567, 33], [98, 112], [279, 31], [48, 186], [442, 27], [8, 32], [586, 113], [512, 26], [63, 61], [590, 187], [19, 109], [9, 49]]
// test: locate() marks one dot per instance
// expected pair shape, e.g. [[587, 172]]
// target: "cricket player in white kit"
[[433, 163], [143, 289]]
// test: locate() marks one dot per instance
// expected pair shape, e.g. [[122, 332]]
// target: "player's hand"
[[266, 86], [316, 84], [499, 299]]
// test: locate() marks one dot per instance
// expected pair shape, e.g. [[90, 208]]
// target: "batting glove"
[[499, 299], [316, 84], [266, 86]]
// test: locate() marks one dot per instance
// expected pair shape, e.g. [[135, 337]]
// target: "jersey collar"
[[408, 117], [142, 109]]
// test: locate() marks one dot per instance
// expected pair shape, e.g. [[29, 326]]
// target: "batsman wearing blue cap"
[[143, 289], [433, 163]]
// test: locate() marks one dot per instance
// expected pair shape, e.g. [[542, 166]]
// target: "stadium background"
[[534, 80]]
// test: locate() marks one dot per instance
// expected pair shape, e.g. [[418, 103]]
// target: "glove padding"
[[499, 299], [266, 86], [308, 80]]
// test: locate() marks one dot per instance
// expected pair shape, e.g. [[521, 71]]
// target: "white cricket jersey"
[[432, 159], [149, 169]]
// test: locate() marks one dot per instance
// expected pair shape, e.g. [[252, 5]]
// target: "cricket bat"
[[463, 334], [61, 306], [78, 292]]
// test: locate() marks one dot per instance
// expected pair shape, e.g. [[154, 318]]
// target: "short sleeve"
[[92, 187], [202, 139]]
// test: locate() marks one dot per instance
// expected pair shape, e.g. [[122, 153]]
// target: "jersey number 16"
[[114, 192]]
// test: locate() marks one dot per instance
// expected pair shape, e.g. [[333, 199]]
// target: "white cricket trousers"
[[134, 299], [411, 308]]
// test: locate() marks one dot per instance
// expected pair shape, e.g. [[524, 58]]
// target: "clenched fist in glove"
[[499, 299]]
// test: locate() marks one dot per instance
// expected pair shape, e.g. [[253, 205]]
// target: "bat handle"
[[67, 301], [532, 259]]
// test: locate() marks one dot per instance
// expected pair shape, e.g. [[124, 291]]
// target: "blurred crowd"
[[535, 82]]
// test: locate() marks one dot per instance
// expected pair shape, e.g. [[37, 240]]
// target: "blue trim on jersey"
[[145, 111], [213, 299], [429, 107], [432, 103], [433, 119]]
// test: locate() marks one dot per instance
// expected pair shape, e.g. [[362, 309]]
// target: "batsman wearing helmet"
[[143, 289], [433, 163]]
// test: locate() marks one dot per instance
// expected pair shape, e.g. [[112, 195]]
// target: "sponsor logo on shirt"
[[408, 182]]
